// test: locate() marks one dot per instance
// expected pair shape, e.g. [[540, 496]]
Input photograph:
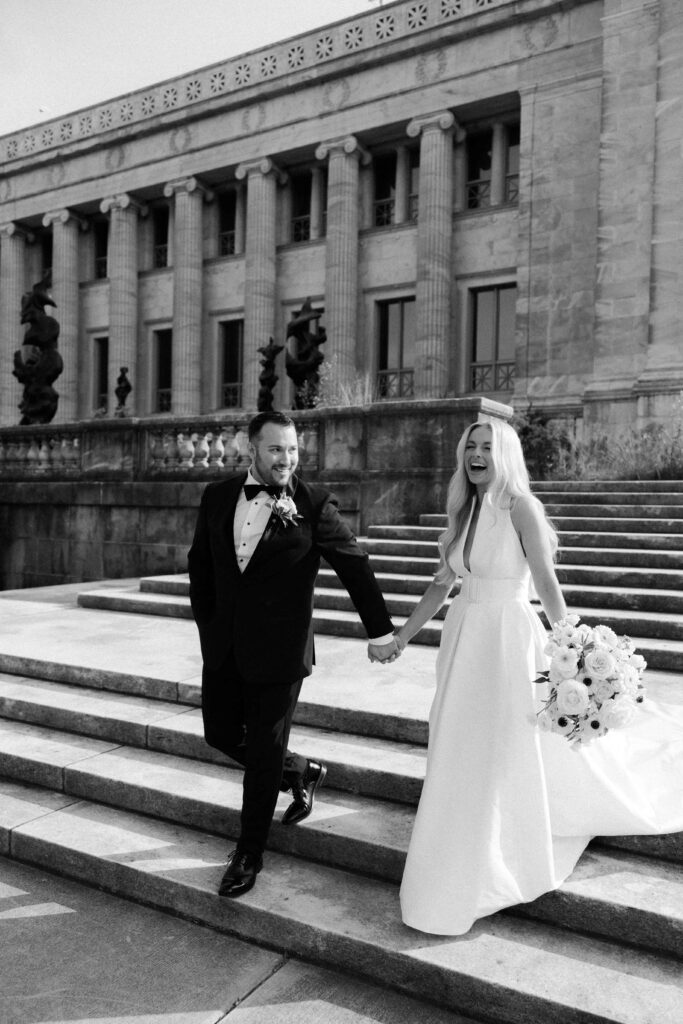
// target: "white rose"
[[565, 662], [599, 663], [618, 712], [638, 662], [606, 636], [572, 698], [603, 689]]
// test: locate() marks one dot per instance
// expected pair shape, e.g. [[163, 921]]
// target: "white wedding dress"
[[507, 810]]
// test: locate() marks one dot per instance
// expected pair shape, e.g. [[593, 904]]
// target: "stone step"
[[602, 486], [523, 971], [630, 608], [663, 654], [658, 543], [132, 599], [601, 523], [603, 575], [589, 497], [671, 513], [369, 766], [669, 561], [357, 834]]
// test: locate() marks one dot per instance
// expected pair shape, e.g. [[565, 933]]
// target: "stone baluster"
[[201, 450], [216, 449], [341, 252], [122, 269], [434, 242], [65, 229], [13, 283], [262, 178], [189, 196]]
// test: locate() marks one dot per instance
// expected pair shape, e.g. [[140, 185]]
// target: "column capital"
[[348, 144], [10, 230], [439, 120], [122, 201], [188, 185], [63, 217], [264, 166]]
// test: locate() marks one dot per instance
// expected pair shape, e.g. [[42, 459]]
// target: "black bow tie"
[[251, 490]]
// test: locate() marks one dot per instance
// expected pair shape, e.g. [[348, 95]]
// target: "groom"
[[253, 563]]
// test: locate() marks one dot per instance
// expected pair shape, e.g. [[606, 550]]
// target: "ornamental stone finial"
[[349, 144]]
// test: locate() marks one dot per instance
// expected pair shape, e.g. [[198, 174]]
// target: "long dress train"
[[506, 810]]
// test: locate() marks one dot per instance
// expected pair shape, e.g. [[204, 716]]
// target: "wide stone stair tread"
[[621, 576], [377, 767], [606, 486], [521, 971], [646, 512], [606, 524], [579, 537], [621, 558], [587, 497], [608, 892], [136, 601]]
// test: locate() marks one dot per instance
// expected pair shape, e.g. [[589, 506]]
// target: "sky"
[[57, 56]]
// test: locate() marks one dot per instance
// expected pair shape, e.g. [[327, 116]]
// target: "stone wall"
[[114, 499]]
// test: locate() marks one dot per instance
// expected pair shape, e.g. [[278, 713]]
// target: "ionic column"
[[13, 282], [262, 177], [498, 153], [341, 252], [240, 219], [434, 243], [122, 271], [317, 202], [402, 200], [65, 228], [189, 196], [460, 171]]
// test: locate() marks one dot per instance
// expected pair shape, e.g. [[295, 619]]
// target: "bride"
[[507, 809]]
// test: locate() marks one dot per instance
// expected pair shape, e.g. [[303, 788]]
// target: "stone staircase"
[[104, 776]]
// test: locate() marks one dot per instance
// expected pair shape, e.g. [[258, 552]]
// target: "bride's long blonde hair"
[[510, 481]]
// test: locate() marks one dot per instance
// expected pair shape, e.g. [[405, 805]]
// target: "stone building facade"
[[484, 196]]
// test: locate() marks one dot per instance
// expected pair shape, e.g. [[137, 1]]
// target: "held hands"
[[385, 652]]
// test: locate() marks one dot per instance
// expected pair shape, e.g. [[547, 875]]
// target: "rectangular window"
[[493, 347], [384, 171], [227, 204], [100, 364], [160, 220], [231, 354], [479, 152], [301, 207], [512, 164], [396, 348], [101, 238], [163, 370]]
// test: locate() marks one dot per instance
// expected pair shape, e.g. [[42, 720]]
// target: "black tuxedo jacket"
[[264, 614]]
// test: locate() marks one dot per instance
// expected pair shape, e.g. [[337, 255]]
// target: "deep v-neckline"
[[470, 535]]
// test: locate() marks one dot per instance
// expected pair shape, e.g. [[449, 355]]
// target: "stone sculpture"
[[267, 378], [122, 390], [303, 363], [38, 363]]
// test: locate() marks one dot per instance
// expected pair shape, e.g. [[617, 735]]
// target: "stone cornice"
[[189, 185], [264, 165], [348, 144], [63, 217], [306, 53], [123, 201]]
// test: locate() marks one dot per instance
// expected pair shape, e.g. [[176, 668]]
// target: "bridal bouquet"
[[595, 680]]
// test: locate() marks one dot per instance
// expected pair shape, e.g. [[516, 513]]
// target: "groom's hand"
[[384, 652]]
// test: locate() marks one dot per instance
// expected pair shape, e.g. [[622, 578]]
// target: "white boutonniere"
[[285, 510]]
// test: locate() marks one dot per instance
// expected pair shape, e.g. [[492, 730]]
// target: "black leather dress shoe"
[[303, 790], [240, 873]]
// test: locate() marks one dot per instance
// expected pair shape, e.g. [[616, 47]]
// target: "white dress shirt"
[[251, 519]]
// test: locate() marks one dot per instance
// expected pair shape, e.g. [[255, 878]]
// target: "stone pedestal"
[[341, 255], [122, 268], [65, 229], [13, 283], [189, 196], [434, 244], [262, 178]]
